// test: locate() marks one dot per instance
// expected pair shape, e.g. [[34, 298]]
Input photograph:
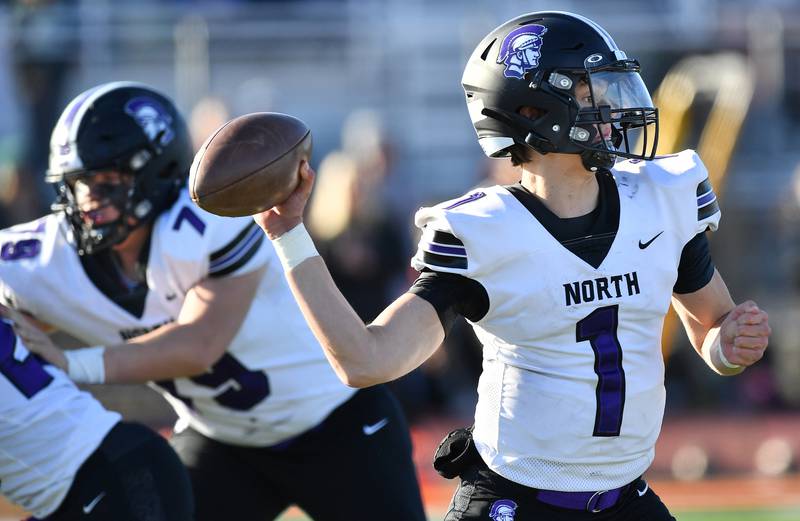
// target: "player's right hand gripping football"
[[283, 217]]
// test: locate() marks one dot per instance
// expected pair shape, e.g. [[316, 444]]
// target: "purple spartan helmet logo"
[[503, 510], [152, 117], [521, 50]]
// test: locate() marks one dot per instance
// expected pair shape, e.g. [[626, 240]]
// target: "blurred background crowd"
[[378, 83]]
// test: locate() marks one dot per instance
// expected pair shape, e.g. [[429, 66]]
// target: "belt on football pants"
[[589, 501]]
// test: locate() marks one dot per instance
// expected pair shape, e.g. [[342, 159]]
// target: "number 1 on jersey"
[[600, 328]]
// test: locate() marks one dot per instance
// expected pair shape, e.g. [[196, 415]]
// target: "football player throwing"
[[566, 278]]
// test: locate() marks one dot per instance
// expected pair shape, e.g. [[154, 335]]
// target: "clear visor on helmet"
[[616, 114], [621, 90]]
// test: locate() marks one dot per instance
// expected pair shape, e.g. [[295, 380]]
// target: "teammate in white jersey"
[[63, 456], [197, 304], [566, 278]]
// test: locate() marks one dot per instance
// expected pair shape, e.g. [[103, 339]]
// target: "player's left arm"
[[729, 337], [210, 317]]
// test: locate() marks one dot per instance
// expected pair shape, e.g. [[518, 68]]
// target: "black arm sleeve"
[[452, 295], [695, 268]]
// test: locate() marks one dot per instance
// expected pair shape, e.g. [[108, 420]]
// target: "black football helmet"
[[128, 128], [540, 60]]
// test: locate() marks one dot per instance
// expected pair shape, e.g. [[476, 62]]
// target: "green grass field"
[[750, 515]]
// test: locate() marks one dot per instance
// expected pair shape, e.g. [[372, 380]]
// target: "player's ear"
[[304, 169], [531, 112]]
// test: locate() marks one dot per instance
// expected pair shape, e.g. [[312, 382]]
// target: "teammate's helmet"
[[539, 60], [125, 127]]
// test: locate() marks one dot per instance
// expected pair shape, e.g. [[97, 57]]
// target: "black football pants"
[[355, 466], [134, 475], [481, 492]]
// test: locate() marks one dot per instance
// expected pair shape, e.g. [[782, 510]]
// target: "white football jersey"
[[571, 396], [48, 428], [273, 382]]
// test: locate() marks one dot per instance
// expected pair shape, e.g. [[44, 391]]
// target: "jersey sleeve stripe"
[[705, 199], [444, 261], [445, 250], [234, 255], [446, 238], [704, 187], [707, 204], [241, 237], [241, 260], [708, 210]]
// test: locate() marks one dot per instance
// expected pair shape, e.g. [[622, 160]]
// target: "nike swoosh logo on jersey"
[[90, 506], [646, 244], [171, 296], [644, 490], [369, 430]]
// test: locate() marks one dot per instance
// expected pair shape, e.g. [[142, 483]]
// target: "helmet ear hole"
[[533, 113]]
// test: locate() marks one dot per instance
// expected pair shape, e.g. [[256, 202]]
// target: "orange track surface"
[[731, 441], [716, 494]]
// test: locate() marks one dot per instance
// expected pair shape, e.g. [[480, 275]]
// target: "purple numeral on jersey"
[[24, 249], [600, 329], [244, 389], [186, 214], [27, 375]]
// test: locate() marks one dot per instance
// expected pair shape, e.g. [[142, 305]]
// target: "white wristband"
[[294, 246], [724, 360], [86, 365]]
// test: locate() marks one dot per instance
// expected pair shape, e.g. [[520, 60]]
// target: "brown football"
[[249, 164]]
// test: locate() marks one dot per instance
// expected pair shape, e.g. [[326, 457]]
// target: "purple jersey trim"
[[238, 252], [446, 250], [706, 199], [467, 199]]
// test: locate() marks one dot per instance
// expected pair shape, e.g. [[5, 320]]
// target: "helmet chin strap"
[[594, 159]]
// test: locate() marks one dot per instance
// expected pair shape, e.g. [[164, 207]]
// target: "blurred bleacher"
[[321, 59]]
